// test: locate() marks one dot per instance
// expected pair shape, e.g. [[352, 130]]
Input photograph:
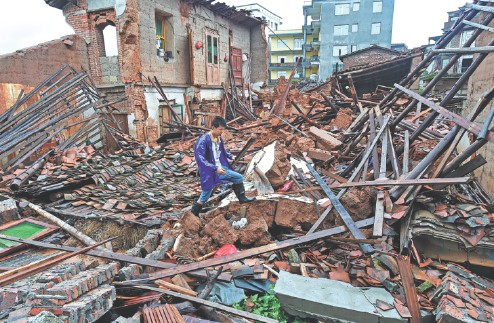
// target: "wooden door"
[[237, 65], [212, 59], [124, 125]]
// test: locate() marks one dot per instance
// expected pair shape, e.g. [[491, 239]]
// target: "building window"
[[281, 73], [378, 6], [342, 9], [356, 6], [282, 59], [339, 66], [354, 48], [295, 58], [160, 33], [281, 44], [354, 28], [340, 50], [212, 49], [341, 30], [376, 28], [275, 26], [298, 43]]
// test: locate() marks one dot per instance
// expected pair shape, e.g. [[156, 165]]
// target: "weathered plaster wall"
[[178, 17], [481, 81]]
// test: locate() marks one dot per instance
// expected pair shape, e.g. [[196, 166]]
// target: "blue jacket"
[[203, 151]]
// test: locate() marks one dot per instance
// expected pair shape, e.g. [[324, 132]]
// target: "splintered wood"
[[163, 314]]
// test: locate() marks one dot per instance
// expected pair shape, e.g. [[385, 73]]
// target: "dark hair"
[[218, 121]]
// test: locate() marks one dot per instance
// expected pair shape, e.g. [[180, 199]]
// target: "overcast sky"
[[25, 23]]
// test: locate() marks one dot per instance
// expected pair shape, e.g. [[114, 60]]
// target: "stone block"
[[319, 154], [330, 300], [324, 140]]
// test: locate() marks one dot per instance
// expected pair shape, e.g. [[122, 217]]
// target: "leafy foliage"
[[267, 306]]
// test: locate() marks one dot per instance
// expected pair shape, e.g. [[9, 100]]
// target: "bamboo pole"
[[70, 229]]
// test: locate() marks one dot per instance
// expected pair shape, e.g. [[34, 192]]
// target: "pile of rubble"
[[362, 198]]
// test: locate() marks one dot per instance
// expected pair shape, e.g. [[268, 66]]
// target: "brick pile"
[[69, 291], [153, 246], [463, 298]]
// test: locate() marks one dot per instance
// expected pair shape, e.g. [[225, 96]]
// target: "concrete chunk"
[[333, 301], [319, 154], [324, 140]]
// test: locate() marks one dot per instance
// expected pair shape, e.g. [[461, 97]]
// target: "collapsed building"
[[368, 206]]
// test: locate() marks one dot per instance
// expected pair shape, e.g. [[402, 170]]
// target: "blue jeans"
[[230, 176]]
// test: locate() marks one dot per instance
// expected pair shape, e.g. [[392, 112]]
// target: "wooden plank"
[[357, 234], [409, 287], [462, 122], [417, 113], [221, 307], [375, 154], [176, 288], [334, 176], [114, 256], [406, 153], [379, 214], [255, 251]]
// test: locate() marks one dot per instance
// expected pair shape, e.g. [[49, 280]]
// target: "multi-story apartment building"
[[273, 21], [345, 26], [285, 47]]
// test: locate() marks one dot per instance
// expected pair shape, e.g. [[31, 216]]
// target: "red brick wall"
[[367, 57], [33, 65], [90, 26]]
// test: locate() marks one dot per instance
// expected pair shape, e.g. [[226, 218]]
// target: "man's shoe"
[[196, 209], [240, 193]]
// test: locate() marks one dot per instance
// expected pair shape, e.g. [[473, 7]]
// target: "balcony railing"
[[282, 64], [314, 59]]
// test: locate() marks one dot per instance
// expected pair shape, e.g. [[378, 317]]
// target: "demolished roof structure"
[[358, 197]]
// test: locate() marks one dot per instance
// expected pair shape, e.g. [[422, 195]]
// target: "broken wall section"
[[481, 81]]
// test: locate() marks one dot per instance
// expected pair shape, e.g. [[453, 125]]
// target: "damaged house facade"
[[189, 46]]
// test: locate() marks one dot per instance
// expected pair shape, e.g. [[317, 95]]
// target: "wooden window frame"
[[163, 30]]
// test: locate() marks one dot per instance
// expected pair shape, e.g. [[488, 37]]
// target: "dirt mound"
[[344, 118], [191, 223], [221, 231], [256, 232], [295, 214], [360, 203]]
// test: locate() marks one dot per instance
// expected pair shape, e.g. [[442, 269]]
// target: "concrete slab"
[[333, 301]]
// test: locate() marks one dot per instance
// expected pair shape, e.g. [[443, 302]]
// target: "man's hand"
[[220, 171]]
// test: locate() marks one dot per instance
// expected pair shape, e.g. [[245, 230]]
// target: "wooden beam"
[[16, 275], [255, 251], [462, 122], [399, 182], [473, 24], [409, 287], [469, 167], [467, 50], [113, 256], [480, 8]]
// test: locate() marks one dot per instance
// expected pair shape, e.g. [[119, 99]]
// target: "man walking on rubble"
[[214, 167]]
